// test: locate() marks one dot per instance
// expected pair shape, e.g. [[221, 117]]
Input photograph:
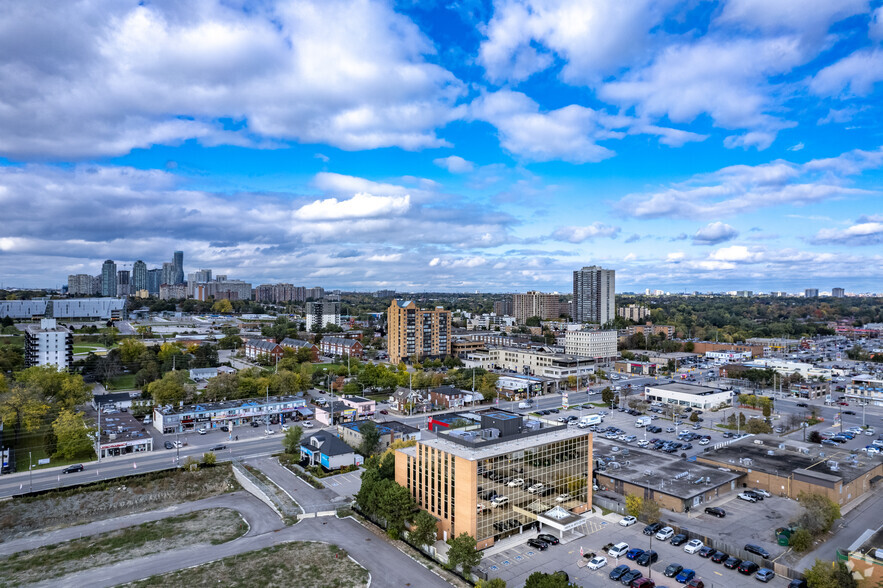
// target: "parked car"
[[536, 543], [499, 501], [716, 511], [732, 562], [201, 431], [516, 483], [706, 552], [627, 521], [719, 557], [78, 467], [647, 558], [597, 562], [630, 577], [550, 539], [665, 533], [672, 570], [761, 492], [757, 550], [756, 495], [695, 583], [748, 567], [168, 445], [797, 583], [678, 539], [685, 576], [618, 550], [765, 575], [384, 412], [643, 583], [634, 553], [618, 572], [746, 497], [535, 488], [652, 528], [693, 545]]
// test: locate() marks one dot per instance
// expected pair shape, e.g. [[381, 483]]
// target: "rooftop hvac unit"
[[682, 475], [615, 465], [648, 472], [781, 446], [770, 452], [834, 466], [803, 450]]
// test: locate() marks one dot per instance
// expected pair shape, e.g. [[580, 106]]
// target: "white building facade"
[[48, 344], [678, 394], [599, 345]]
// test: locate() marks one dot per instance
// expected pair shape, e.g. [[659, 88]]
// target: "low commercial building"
[[49, 344], [787, 468], [121, 434], [365, 407], [197, 374], [390, 431], [728, 356], [810, 390], [340, 347], [693, 395], [324, 449], [336, 412], [639, 368], [865, 388], [673, 483], [534, 362], [703, 347], [114, 400], [553, 460], [865, 556], [232, 413], [597, 345], [521, 387], [786, 368], [774, 344]]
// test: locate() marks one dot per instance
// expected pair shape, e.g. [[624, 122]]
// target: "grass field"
[[301, 564], [214, 526], [123, 382], [86, 348], [35, 444]]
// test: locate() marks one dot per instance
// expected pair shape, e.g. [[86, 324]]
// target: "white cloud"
[[359, 206], [735, 253], [714, 233], [580, 234], [875, 30], [675, 257], [797, 147], [863, 233], [101, 78], [454, 164], [810, 18], [854, 75]]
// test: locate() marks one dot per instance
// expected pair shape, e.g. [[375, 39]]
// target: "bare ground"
[[64, 508], [298, 563], [215, 526]]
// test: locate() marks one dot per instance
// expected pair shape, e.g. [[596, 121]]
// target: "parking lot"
[[516, 561]]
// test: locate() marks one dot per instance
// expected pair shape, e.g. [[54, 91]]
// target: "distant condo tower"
[[594, 295]]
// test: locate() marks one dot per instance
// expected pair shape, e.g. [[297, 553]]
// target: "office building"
[[178, 263], [154, 281], [109, 278], [838, 292], [525, 306], [692, 395], [321, 314], [123, 283], [594, 298], [599, 345], [139, 276], [811, 293], [443, 475], [417, 332], [49, 344]]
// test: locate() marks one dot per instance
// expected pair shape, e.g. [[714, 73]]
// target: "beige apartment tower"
[[544, 306], [417, 332]]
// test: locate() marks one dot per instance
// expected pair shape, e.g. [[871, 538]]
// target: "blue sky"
[[452, 145]]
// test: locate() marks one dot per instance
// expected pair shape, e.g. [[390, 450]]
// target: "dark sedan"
[[618, 572], [647, 558], [536, 543], [748, 567], [678, 539], [672, 570], [719, 557], [628, 577], [732, 563], [706, 551], [550, 539]]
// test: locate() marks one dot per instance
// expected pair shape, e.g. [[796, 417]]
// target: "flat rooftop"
[[694, 389], [778, 457], [508, 445], [660, 472], [120, 427]]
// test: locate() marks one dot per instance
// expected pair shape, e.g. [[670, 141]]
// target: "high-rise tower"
[[594, 295]]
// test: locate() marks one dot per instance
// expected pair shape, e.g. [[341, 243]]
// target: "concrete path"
[[310, 499], [259, 517]]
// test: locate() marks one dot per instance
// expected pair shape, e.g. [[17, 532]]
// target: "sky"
[[454, 145]]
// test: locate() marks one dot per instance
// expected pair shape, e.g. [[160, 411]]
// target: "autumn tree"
[[71, 435], [223, 306]]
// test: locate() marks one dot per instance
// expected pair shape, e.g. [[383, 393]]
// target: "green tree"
[[463, 554], [425, 529], [209, 459], [56, 386], [819, 513], [814, 437], [222, 306], [543, 580], [800, 540], [131, 350], [23, 407], [757, 427], [487, 386], [71, 435], [492, 583], [650, 511], [607, 395], [221, 387], [396, 507], [370, 438], [387, 465], [634, 504], [829, 575], [694, 417], [291, 441], [171, 389], [230, 342]]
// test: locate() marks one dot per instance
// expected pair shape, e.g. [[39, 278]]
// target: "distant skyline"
[[433, 146]]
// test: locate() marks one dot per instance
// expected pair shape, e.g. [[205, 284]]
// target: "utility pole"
[[30, 474]]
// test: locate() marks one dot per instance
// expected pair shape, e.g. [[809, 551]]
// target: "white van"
[[618, 550], [525, 404]]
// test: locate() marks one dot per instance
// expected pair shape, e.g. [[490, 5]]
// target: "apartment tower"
[[417, 332], [594, 299]]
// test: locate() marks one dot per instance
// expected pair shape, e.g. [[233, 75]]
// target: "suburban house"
[[297, 344], [389, 431], [209, 372], [254, 348], [402, 397], [449, 397], [324, 449], [339, 346]]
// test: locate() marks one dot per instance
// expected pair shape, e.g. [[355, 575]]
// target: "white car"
[[535, 488], [869, 432], [286, 427], [693, 546], [563, 497], [201, 431], [665, 533], [308, 424], [627, 521], [499, 501], [597, 563], [704, 441], [746, 497], [761, 492], [515, 483], [643, 443]]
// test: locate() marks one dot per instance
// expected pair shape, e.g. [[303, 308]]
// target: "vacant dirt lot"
[[64, 508], [301, 564], [217, 525]]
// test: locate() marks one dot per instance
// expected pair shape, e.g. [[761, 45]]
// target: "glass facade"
[[533, 480]]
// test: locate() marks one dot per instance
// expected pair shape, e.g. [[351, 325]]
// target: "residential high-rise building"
[[168, 273], [49, 344], [417, 332], [811, 293], [109, 278], [322, 314], [123, 283], [503, 307], [316, 293], [838, 292], [82, 285], [594, 295], [139, 276], [178, 262], [633, 312], [534, 303], [154, 281]]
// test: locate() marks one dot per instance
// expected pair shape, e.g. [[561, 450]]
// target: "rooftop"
[[385, 427], [694, 389], [325, 443], [230, 404], [661, 473]]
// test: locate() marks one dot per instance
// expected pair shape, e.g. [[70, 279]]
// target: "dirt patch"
[[302, 564], [215, 526], [114, 498]]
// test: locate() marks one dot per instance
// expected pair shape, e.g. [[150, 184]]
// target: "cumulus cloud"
[[359, 206], [854, 75], [869, 232], [714, 233], [95, 78], [580, 234], [454, 164], [741, 188]]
